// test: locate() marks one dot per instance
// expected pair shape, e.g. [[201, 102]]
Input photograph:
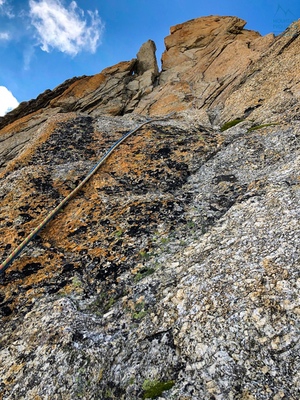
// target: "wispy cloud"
[[68, 30], [28, 55], [6, 9], [7, 100]]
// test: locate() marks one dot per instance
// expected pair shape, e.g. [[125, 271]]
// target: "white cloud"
[[4, 35], [65, 29], [7, 101]]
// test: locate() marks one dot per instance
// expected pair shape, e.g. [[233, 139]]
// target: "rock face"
[[174, 274], [207, 58]]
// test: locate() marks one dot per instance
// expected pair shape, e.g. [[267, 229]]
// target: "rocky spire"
[[146, 58]]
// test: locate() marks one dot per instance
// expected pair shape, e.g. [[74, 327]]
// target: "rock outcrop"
[[174, 274], [204, 60]]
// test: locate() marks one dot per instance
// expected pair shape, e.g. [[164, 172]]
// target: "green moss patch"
[[143, 273], [139, 312], [102, 304], [153, 389], [230, 124], [256, 127]]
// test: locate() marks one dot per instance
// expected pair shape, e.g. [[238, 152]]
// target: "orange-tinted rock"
[[209, 54]]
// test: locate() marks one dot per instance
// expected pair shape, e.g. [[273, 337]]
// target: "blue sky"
[[44, 42]]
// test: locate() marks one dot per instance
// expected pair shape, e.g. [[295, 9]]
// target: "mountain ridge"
[[174, 273]]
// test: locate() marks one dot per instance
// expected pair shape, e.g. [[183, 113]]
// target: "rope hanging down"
[[53, 213]]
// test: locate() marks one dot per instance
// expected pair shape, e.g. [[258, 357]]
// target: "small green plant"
[[191, 224], [109, 304], [153, 389], [145, 255], [118, 233], [131, 380], [139, 315], [230, 124], [139, 311], [102, 304], [108, 394], [76, 282], [256, 127], [165, 240], [143, 273]]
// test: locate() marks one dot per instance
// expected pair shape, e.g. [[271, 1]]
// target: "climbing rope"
[[53, 213]]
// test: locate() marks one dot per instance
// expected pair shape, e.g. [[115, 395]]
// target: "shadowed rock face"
[[175, 271], [146, 59]]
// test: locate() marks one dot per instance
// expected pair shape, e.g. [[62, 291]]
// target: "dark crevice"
[[289, 42]]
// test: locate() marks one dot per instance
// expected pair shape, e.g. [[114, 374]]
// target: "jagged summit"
[[207, 63], [174, 273]]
